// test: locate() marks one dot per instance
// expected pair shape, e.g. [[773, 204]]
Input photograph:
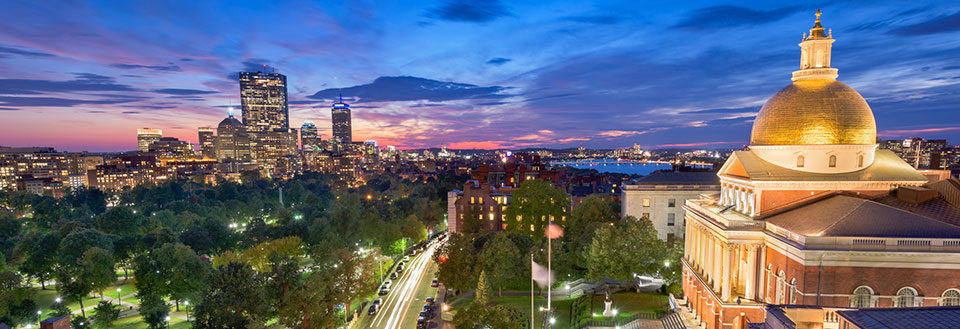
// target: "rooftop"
[[680, 178], [895, 318], [887, 167], [847, 216]]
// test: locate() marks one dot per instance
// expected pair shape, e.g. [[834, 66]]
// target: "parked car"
[[421, 323], [387, 283], [377, 301], [384, 291], [434, 283], [430, 301], [393, 276], [406, 258], [372, 310], [424, 315], [428, 308]]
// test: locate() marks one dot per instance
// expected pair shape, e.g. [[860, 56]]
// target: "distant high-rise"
[[233, 141], [309, 140], [207, 142], [146, 136], [342, 129], [263, 98]]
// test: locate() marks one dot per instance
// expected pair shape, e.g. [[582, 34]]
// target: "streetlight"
[[118, 296], [186, 305]]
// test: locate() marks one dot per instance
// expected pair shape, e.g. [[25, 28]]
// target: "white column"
[[708, 271], [686, 241], [718, 266], [696, 246], [703, 248], [753, 206], [736, 199], [762, 281], [751, 272], [726, 285]]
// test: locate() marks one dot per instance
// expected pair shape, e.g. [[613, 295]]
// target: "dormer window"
[[860, 161], [800, 160], [833, 161]]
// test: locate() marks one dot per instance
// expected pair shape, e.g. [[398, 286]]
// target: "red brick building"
[[813, 213]]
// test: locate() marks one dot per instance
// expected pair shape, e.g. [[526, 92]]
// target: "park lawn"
[[45, 299], [626, 303], [136, 322]]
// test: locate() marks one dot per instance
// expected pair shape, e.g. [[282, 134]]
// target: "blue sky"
[[85, 75]]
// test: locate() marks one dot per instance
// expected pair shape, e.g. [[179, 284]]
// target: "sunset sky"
[[85, 75]]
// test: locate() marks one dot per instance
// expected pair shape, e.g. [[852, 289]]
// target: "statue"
[[608, 305]]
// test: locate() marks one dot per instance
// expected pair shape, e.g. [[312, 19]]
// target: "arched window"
[[860, 161], [820, 58], [906, 297], [800, 161], [951, 297], [862, 297], [793, 291], [781, 288], [770, 281], [833, 161]]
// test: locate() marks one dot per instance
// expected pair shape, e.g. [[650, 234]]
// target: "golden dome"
[[815, 112]]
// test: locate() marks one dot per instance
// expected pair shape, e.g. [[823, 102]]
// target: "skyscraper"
[[309, 140], [146, 136], [207, 142], [342, 129], [263, 98], [233, 142]]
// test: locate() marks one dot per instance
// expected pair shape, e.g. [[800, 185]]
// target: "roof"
[[52, 320], [911, 317], [935, 208], [680, 178], [849, 216], [887, 166]]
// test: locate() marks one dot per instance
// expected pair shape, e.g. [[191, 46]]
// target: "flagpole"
[[531, 290], [549, 276]]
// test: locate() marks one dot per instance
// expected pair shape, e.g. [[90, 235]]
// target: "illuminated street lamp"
[[118, 296]]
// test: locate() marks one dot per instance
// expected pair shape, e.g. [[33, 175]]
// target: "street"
[[401, 307]]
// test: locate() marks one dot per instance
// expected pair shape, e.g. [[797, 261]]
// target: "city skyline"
[[463, 75]]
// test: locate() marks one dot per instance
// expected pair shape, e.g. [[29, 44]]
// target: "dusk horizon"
[[456, 74]]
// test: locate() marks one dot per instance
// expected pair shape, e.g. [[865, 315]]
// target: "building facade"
[[263, 97], [207, 142], [660, 197], [146, 136], [813, 213], [342, 124], [233, 141]]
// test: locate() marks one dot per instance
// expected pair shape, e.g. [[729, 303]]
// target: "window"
[[862, 297], [860, 161], [646, 215], [671, 219], [646, 202], [800, 160], [820, 58], [906, 297], [670, 237], [781, 287], [672, 203], [951, 297], [793, 291], [833, 161]]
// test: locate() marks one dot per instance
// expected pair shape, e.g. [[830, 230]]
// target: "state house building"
[[813, 213]]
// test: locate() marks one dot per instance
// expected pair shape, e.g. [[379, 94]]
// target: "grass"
[[626, 303], [136, 322]]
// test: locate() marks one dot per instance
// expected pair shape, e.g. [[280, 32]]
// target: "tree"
[[354, 276], [534, 204], [42, 258], [310, 303], [105, 314], [413, 228], [185, 270], [455, 263], [154, 310], [500, 259], [234, 298], [98, 269], [483, 289], [79, 241], [479, 316], [622, 249]]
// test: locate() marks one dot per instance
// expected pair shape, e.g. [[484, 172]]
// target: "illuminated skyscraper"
[[309, 140], [233, 142], [146, 136], [207, 142], [263, 98], [342, 129]]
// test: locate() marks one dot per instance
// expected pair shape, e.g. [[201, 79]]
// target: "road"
[[402, 306]]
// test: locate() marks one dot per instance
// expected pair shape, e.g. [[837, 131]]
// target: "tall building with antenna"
[[342, 129], [263, 100]]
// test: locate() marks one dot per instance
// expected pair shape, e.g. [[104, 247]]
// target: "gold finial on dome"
[[815, 54], [817, 30]]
